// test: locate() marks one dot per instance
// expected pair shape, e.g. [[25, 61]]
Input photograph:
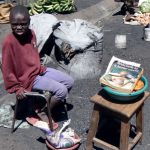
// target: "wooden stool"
[[124, 113]]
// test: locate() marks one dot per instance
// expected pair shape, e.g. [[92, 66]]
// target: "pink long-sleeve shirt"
[[20, 62]]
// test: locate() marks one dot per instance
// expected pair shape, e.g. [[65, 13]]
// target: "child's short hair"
[[19, 9]]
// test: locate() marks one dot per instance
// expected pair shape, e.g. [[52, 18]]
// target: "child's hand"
[[21, 95]]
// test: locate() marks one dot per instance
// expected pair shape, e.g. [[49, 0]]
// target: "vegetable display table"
[[124, 113]]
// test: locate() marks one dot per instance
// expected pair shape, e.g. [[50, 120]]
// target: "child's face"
[[19, 24]]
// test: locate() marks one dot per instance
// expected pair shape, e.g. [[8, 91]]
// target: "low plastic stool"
[[123, 112]]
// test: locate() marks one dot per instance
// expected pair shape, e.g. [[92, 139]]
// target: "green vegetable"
[[51, 6], [145, 7]]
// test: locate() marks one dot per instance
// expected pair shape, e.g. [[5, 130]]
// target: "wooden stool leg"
[[124, 135], [14, 117], [48, 96], [139, 122], [49, 115], [93, 127], [66, 109]]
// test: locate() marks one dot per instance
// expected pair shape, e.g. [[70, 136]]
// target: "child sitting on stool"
[[21, 67]]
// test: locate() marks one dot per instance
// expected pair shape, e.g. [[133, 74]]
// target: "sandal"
[[36, 122]]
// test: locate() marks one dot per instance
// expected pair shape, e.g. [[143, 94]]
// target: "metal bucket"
[[147, 34]]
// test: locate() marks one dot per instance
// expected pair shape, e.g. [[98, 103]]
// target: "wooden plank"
[[93, 127], [104, 144], [135, 140], [130, 109], [105, 103], [124, 135], [140, 121], [126, 110]]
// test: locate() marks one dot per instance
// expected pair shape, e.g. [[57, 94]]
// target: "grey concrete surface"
[[85, 4], [95, 12], [79, 97]]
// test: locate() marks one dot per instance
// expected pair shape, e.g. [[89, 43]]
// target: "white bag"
[[79, 34], [80, 44], [42, 25]]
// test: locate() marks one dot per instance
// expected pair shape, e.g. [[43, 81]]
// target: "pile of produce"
[[143, 19], [51, 6], [145, 6]]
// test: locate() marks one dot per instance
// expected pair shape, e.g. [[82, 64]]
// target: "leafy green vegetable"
[[145, 7]]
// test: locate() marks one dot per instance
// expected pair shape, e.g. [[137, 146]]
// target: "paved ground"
[[137, 50], [85, 4]]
